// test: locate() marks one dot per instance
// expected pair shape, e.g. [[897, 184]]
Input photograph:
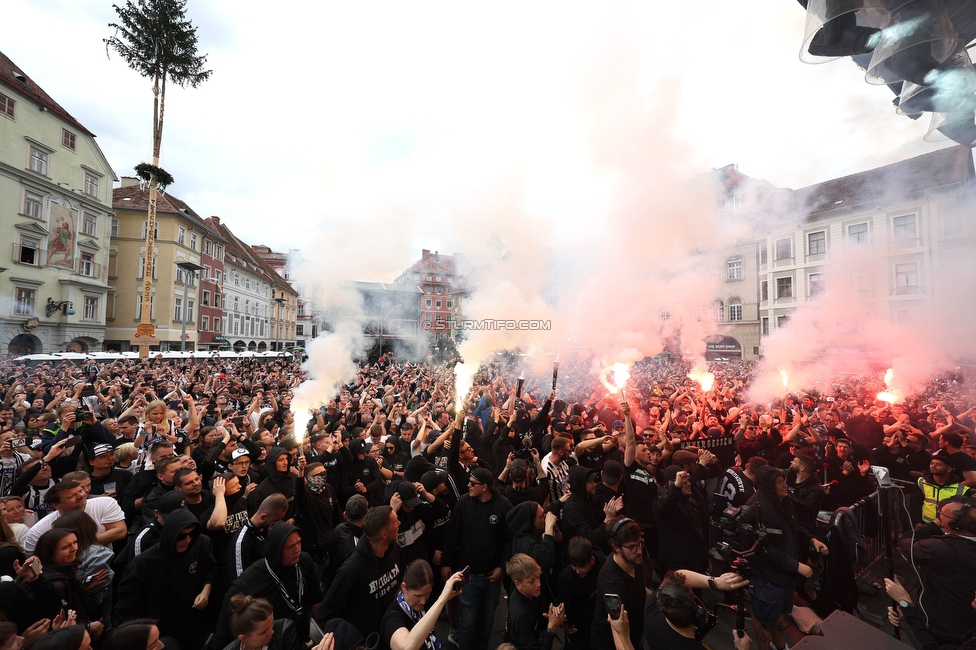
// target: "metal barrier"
[[881, 519]]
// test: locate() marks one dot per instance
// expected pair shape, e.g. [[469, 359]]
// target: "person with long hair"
[[8, 636], [93, 563], [137, 634], [10, 550], [253, 622], [406, 625], [58, 588]]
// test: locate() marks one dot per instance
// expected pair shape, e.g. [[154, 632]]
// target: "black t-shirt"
[[659, 634], [393, 619], [640, 488], [614, 580]]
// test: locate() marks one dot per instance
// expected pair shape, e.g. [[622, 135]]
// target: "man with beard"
[[937, 486], [367, 581], [776, 567], [171, 582], [286, 579], [805, 490], [198, 501], [622, 574]]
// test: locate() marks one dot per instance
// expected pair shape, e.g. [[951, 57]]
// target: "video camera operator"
[[776, 567]]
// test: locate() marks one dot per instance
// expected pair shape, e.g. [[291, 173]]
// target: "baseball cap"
[[240, 451], [484, 475], [612, 472], [170, 501], [616, 423], [517, 472], [100, 450], [356, 507], [683, 456], [432, 479], [408, 494]]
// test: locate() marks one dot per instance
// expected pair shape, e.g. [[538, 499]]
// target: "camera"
[[525, 451], [82, 413]]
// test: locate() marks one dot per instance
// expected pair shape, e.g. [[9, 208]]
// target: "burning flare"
[[786, 378], [615, 377], [889, 375], [888, 395], [704, 378], [885, 396], [463, 378]]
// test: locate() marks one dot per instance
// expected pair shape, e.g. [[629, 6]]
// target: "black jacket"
[[363, 588], [477, 535], [343, 543], [283, 482], [778, 559], [526, 627], [162, 583], [525, 539], [580, 515], [259, 580]]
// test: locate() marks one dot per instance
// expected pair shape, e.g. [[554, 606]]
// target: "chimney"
[[424, 254], [216, 219], [129, 181]]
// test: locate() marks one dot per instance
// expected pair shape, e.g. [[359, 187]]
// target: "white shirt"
[[104, 510]]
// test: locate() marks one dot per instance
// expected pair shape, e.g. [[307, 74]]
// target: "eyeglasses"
[[183, 536], [391, 448], [633, 548], [242, 463], [472, 482]]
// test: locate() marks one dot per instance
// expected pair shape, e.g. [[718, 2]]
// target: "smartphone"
[[18, 442], [109, 487], [238, 421], [88, 390], [35, 566], [72, 441], [465, 578], [613, 605]]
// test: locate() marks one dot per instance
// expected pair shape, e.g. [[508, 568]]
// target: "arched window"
[[735, 309]]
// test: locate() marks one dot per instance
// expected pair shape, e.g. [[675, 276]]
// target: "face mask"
[[317, 483]]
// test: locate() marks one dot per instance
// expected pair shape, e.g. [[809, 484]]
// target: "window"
[[216, 324], [903, 228], [180, 276], [764, 291], [217, 277], [7, 106], [734, 269], [67, 139], [731, 203], [115, 227], [91, 185], [735, 309], [90, 311], [178, 309], [181, 236], [152, 307], [206, 273], [237, 303], [206, 246], [718, 310], [237, 325], [784, 287], [438, 304], [26, 299], [765, 327], [440, 318], [817, 243], [906, 276], [857, 233], [189, 311], [218, 252], [450, 303], [38, 161], [439, 290], [427, 303], [861, 280], [247, 283], [193, 241], [299, 330], [763, 253], [155, 230], [783, 249], [817, 284], [665, 315], [30, 251], [781, 321], [87, 265], [205, 323], [89, 224], [427, 318], [206, 299], [33, 204], [142, 267]]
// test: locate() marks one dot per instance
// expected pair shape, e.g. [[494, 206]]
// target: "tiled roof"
[[134, 197], [23, 84], [435, 263], [946, 167], [241, 254]]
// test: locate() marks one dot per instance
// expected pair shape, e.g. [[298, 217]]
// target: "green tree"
[[156, 40]]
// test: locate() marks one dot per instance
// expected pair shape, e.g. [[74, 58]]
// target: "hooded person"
[[361, 476], [280, 479], [580, 515], [171, 582], [285, 578], [777, 566], [533, 533], [681, 520]]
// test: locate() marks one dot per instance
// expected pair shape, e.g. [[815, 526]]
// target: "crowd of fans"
[[186, 505]]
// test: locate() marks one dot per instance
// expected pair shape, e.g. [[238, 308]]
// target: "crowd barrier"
[[881, 518]]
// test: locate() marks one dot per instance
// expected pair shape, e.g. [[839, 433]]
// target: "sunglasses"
[[183, 536]]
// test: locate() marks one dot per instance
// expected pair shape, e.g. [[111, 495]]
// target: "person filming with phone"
[[406, 625]]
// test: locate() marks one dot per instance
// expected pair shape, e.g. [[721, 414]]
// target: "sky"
[[383, 114]]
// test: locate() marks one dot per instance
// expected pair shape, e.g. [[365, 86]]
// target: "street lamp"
[[281, 303], [189, 268]]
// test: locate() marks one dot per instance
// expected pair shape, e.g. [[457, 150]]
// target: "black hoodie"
[[525, 539], [283, 482], [779, 558], [363, 588], [580, 516], [261, 580], [162, 584]]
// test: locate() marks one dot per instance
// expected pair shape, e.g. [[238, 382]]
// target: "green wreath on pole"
[[145, 171]]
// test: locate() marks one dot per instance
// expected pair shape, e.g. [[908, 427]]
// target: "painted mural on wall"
[[62, 236]]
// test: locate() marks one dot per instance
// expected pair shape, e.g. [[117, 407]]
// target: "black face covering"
[[317, 484], [231, 498]]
